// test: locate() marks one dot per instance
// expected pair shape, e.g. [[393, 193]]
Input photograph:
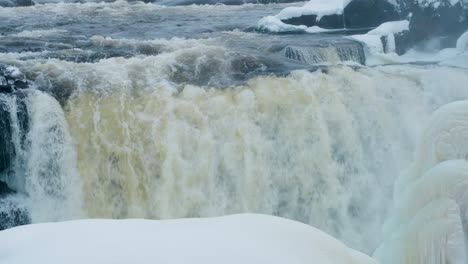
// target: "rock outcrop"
[[442, 19], [356, 15]]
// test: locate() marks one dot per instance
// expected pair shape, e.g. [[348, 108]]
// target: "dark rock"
[[12, 215], [358, 14], [443, 21], [12, 85], [369, 13], [327, 22], [6, 143], [402, 42], [11, 81], [5, 190]]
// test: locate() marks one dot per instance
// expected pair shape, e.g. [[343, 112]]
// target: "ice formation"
[[429, 222]]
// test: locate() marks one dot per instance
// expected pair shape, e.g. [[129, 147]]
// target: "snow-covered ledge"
[[233, 239]]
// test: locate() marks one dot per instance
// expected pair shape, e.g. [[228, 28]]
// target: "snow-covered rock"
[[340, 14], [232, 239], [387, 38], [387, 28], [275, 25], [319, 8]]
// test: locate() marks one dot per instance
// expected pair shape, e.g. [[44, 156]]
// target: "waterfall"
[[43, 162]]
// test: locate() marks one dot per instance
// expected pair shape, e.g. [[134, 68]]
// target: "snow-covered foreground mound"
[[236, 239], [430, 220]]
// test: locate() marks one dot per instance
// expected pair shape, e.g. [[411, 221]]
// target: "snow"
[[372, 42], [233, 239], [274, 24], [320, 8], [446, 57], [394, 27]]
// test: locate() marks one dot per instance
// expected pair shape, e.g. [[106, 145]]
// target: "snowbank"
[[275, 25], [393, 27], [320, 8], [430, 217], [233, 239]]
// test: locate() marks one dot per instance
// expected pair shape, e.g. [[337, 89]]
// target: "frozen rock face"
[[430, 221]]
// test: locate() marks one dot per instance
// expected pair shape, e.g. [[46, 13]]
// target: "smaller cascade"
[[321, 54]]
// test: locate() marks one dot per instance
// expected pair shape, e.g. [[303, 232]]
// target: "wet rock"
[[327, 22], [6, 144], [12, 79], [369, 13], [402, 42], [5, 190], [12, 85], [11, 215]]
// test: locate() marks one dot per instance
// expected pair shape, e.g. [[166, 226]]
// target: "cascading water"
[[302, 146], [140, 120], [42, 161], [343, 52]]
